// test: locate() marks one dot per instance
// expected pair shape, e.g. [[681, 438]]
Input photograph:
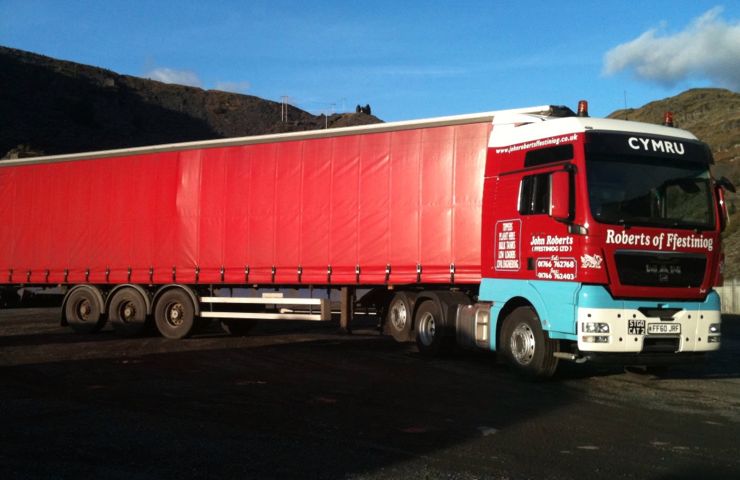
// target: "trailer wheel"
[[432, 336], [399, 322], [238, 328], [82, 311], [127, 312], [526, 346], [174, 314]]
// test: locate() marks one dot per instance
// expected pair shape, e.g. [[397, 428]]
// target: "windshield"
[[636, 190]]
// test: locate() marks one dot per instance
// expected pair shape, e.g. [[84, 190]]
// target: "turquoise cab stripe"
[[556, 303]]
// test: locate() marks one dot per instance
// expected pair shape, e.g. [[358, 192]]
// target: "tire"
[[399, 321], [238, 328], [432, 335], [127, 312], [83, 312], [174, 314], [526, 346]]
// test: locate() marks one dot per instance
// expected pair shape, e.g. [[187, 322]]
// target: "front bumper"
[[645, 358], [619, 326]]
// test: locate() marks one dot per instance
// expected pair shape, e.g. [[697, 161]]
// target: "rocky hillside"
[[49, 106], [713, 115]]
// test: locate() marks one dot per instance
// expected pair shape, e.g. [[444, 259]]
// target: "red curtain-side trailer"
[[393, 207], [157, 233]]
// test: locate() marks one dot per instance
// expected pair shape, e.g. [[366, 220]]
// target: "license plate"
[[663, 328]]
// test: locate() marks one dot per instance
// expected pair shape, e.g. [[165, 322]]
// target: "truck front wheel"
[[174, 314], [526, 346]]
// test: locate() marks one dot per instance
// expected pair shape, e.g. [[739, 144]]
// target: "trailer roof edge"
[[291, 136]]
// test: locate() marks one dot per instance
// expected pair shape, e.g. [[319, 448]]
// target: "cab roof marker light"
[[668, 119]]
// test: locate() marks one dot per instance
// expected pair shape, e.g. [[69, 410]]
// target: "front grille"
[[657, 269]]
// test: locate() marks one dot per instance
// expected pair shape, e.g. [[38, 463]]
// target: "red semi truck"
[[539, 232]]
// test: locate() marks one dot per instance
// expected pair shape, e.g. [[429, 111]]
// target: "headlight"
[[714, 328], [594, 327]]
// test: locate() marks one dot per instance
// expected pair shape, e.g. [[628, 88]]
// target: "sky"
[[406, 59]]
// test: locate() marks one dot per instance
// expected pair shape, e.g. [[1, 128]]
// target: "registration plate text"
[[663, 328]]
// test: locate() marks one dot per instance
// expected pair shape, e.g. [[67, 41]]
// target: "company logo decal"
[[507, 246], [556, 268], [662, 241], [591, 261], [539, 143], [551, 243], [657, 146]]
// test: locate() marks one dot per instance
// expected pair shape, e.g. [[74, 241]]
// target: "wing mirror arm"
[[726, 184]]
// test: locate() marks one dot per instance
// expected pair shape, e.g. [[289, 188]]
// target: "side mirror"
[[725, 183], [560, 196]]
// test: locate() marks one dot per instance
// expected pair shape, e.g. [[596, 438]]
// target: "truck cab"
[[600, 240]]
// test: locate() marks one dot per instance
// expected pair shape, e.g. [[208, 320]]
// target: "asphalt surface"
[[304, 401]]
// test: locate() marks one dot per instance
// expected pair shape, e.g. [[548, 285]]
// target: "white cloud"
[[169, 75], [708, 48], [233, 87]]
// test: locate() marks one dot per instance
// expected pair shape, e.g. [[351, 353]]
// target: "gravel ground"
[[303, 401]]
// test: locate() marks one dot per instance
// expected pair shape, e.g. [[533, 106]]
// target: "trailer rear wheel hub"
[[175, 314], [84, 310]]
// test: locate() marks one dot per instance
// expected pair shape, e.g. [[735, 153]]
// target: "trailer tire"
[[399, 321], [526, 346], [174, 314], [127, 312], [432, 335], [82, 311]]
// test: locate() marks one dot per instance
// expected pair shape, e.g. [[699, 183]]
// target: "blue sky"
[[407, 59]]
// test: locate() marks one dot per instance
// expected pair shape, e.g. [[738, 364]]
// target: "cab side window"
[[534, 194]]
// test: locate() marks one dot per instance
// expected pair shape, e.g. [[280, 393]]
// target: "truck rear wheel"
[[432, 337], [526, 346], [399, 322], [174, 314], [127, 312], [82, 311]]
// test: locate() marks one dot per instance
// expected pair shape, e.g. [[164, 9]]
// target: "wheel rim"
[[522, 344], [175, 314], [84, 308], [127, 312], [399, 315], [427, 328]]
